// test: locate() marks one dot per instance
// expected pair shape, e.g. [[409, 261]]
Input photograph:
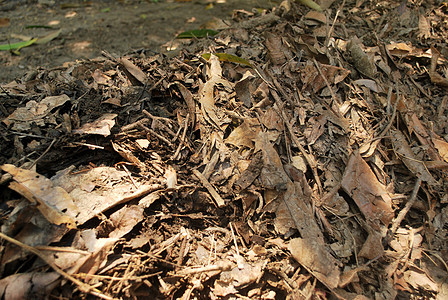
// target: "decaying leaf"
[[92, 201], [406, 154], [135, 73], [207, 91], [363, 63], [371, 197], [53, 202], [101, 126], [316, 259], [34, 112], [23, 285], [245, 134], [423, 27]]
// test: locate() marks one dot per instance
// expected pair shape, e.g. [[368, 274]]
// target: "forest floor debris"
[[297, 154]]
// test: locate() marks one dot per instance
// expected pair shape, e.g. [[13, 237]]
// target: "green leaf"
[[197, 33], [228, 58], [311, 4], [17, 46]]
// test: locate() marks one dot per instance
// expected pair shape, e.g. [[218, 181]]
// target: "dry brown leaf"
[[245, 134], [312, 79], [251, 172], [372, 198], [373, 246], [407, 156], [244, 89], [315, 129], [53, 202], [207, 91], [272, 175], [34, 112], [408, 50], [188, 97], [128, 155], [362, 62], [275, 49], [351, 275], [325, 3], [442, 147], [100, 189], [316, 259], [420, 280], [124, 220], [21, 286], [423, 27], [371, 84], [135, 74], [33, 230], [99, 249], [272, 120], [299, 213], [317, 16], [244, 274], [101, 126], [423, 134]]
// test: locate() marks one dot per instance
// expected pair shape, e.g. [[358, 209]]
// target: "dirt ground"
[[89, 27]]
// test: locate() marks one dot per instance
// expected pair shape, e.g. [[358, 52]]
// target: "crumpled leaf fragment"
[[101, 126], [53, 202]]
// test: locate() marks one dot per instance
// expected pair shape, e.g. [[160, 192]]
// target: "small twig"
[[109, 56], [135, 124], [82, 286], [62, 249], [88, 145], [25, 158], [42, 155], [234, 239], [160, 137], [130, 176], [330, 32], [220, 266], [169, 121], [31, 135], [219, 201], [405, 210], [114, 278], [182, 141], [164, 260], [183, 245]]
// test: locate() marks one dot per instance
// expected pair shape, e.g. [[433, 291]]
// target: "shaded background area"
[[88, 27]]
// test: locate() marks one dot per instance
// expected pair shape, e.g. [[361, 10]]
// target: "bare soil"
[[91, 27]]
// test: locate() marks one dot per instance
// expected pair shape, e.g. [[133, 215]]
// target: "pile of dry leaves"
[[297, 154]]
